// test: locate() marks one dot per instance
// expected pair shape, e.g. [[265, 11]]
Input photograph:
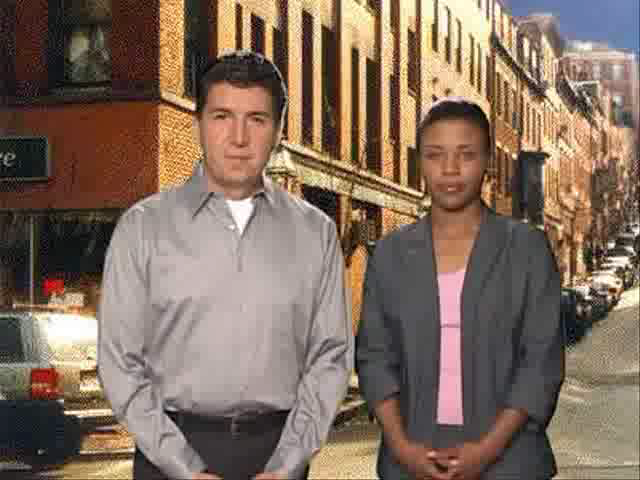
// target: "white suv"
[[48, 378]]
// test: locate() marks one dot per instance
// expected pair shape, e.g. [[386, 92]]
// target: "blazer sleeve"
[[541, 361], [377, 362]]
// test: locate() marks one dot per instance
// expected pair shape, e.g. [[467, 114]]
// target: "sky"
[[611, 21]]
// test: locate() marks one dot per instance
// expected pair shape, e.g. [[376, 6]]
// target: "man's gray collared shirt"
[[196, 317]]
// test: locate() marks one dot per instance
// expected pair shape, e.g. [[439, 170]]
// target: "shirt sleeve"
[[541, 368], [328, 366], [377, 362], [123, 368]]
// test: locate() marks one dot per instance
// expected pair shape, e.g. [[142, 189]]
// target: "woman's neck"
[[455, 223]]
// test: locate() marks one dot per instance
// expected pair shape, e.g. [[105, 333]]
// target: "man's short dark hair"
[[455, 108], [243, 69]]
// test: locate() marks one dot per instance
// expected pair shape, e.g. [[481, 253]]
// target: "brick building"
[[110, 83], [617, 70]]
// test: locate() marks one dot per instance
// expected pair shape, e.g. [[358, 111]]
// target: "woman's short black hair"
[[455, 108], [243, 68]]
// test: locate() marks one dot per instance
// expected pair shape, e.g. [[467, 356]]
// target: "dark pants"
[[232, 456]]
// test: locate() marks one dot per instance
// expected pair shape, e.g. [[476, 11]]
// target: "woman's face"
[[454, 156]]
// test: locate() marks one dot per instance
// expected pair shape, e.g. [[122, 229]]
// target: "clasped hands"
[[261, 476], [466, 461]]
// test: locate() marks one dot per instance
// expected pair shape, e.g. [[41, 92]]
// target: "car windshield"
[[71, 337], [618, 252], [11, 342]]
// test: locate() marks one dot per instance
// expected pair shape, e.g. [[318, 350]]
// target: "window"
[[11, 347], [514, 116], [394, 107], [329, 93], [489, 81], [617, 71], [479, 70], [447, 38], [480, 4], [355, 106], [459, 47], [412, 74], [373, 117], [507, 94], [488, 7], [498, 94], [84, 58], [257, 34], [528, 123], [499, 178], [507, 174], [395, 15], [280, 58], [307, 78], [239, 29], [510, 33], [434, 27], [195, 45], [472, 67], [413, 165]]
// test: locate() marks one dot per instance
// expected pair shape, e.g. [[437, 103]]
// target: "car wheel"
[[58, 446]]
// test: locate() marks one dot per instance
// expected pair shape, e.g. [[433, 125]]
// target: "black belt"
[[248, 423]]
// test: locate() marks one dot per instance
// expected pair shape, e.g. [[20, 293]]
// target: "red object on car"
[[44, 384]]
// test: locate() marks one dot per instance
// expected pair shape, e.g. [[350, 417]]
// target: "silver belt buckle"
[[234, 428]]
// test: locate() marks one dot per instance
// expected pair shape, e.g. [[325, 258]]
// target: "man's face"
[[454, 157], [238, 131]]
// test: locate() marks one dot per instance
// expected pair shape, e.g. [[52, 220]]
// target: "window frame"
[[60, 27]]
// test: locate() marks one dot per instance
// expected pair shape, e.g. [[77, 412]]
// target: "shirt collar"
[[198, 193]]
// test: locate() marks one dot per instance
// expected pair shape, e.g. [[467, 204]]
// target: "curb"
[[120, 454]]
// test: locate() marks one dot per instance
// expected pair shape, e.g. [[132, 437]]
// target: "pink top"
[[450, 391]]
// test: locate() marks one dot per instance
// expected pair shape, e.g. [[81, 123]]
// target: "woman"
[[460, 350]]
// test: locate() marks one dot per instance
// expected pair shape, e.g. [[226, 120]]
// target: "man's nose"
[[239, 134]]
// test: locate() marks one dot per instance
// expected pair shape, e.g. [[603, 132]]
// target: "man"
[[460, 346], [225, 340]]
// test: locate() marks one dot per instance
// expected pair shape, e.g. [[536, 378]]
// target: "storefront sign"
[[24, 159]]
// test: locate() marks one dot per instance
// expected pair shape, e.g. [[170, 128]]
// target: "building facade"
[[107, 88]]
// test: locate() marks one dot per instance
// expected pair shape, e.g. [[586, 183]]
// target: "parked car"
[[48, 369], [606, 281], [574, 330], [622, 268], [626, 239], [598, 303]]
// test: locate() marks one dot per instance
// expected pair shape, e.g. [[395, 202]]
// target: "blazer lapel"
[[487, 247], [424, 329]]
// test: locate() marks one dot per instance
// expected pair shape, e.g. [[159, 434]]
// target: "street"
[[594, 432]]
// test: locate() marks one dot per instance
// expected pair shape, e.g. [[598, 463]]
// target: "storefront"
[[54, 256]]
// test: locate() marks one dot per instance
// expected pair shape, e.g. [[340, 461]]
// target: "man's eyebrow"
[[263, 113], [436, 147]]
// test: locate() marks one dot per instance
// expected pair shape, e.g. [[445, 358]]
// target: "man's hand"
[[205, 476], [270, 476], [415, 457], [466, 461]]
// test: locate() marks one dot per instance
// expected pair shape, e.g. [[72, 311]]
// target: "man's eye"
[[433, 155], [219, 116], [468, 155], [259, 120]]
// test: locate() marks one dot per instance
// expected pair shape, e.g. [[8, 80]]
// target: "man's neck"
[[234, 193]]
